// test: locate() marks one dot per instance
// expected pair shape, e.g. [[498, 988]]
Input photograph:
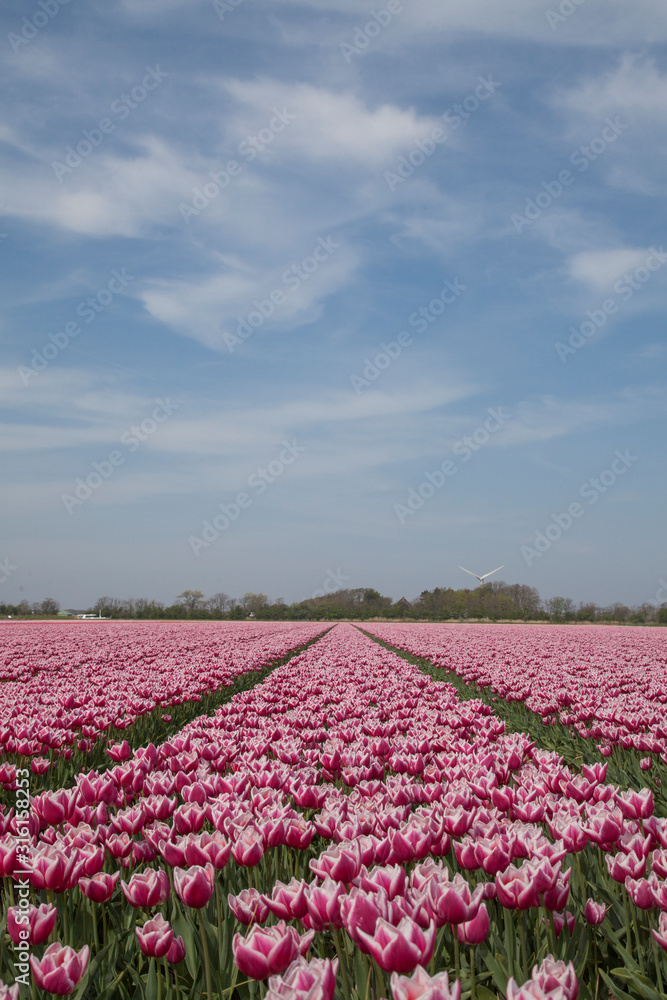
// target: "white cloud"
[[634, 87], [210, 309], [329, 126], [108, 195], [644, 21], [599, 268]]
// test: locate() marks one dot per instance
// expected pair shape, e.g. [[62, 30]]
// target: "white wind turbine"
[[482, 578]]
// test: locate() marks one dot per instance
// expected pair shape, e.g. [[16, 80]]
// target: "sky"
[[304, 294]]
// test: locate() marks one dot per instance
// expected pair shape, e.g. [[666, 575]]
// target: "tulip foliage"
[[349, 827]]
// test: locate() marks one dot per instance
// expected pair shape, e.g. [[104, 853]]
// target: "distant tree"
[[661, 616], [219, 602], [192, 600], [49, 606], [560, 608], [254, 602]]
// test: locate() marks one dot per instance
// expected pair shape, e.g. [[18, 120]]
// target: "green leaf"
[[151, 982], [484, 994], [642, 983], [616, 990], [184, 928]]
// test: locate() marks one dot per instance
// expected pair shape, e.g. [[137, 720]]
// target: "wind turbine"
[[482, 578]]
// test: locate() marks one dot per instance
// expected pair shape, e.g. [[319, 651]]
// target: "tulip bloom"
[[60, 969], [40, 922], [249, 907], [287, 902], [176, 951], [155, 937], [399, 949], [549, 979], [476, 930], [315, 979], [661, 934], [266, 952], [421, 986], [594, 912], [195, 886], [150, 888], [100, 887], [340, 863]]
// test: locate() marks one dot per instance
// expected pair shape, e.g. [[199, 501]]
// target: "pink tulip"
[[323, 902], [195, 886], [287, 902], [99, 887], [150, 888], [661, 934], [39, 921], [421, 986], [476, 930], [399, 949], [60, 969], [315, 980], [561, 919], [249, 906], [266, 952], [640, 892], [340, 863], [9, 992], [176, 951], [594, 912], [551, 978], [155, 937], [249, 848]]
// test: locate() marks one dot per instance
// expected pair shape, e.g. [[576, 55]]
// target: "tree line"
[[497, 601]]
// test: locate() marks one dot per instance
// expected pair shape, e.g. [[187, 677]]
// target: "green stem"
[[640, 951], [338, 944], [207, 960], [656, 954], [457, 956], [509, 938], [472, 973]]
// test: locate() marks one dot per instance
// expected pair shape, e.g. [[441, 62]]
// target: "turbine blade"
[[492, 572], [468, 571]]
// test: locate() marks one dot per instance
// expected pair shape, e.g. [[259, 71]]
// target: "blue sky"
[[216, 218]]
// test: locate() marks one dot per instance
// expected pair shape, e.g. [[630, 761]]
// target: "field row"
[[609, 684]]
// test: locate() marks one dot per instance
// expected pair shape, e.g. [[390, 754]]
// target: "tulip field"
[[295, 811]]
